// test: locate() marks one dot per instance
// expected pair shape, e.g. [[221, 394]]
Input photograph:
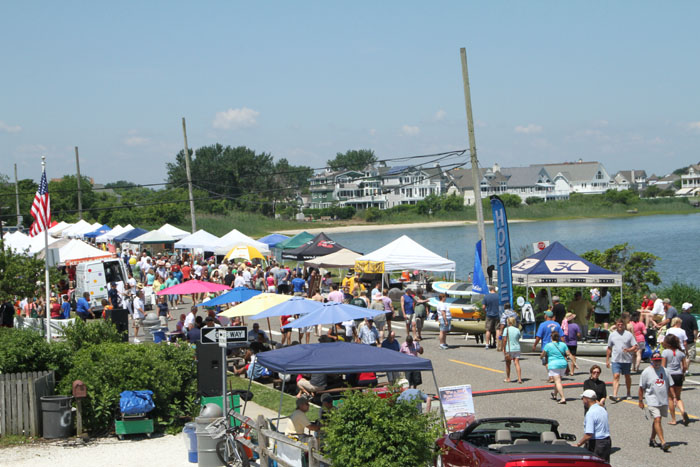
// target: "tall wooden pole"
[[189, 176], [19, 216], [474, 160], [80, 199]]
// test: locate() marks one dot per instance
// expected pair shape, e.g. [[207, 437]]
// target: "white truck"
[[95, 278]]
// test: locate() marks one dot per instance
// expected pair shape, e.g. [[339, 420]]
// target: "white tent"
[[115, 232], [236, 238], [104, 239], [58, 228], [153, 237], [200, 239], [403, 253], [92, 228], [79, 226], [340, 259], [77, 251], [36, 244], [173, 231], [17, 241]]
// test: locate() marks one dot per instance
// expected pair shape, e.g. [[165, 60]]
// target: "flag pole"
[[47, 304]]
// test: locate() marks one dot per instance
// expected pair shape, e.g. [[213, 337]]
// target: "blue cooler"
[[190, 434], [158, 334]]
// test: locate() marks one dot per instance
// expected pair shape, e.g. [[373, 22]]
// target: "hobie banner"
[[505, 278], [478, 279]]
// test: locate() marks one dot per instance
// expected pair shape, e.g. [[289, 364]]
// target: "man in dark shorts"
[[690, 325], [492, 307], [596, 428], [286, 332]]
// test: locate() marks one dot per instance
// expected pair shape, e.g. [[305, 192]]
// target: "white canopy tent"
[[92, 228], [173, 231], [17, 241], [115, 232], [153, 237], [77, 251], [200, 239], [81, 226], [236, 238], [340, 259], [36, 244], [403, 253], [58, 228]]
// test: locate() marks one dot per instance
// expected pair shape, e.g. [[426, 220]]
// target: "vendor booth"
[[403, 253], [320, 245], [201, 239], [342, 259], [236, 238]]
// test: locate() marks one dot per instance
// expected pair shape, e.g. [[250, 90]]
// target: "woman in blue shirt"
[[557, 354]]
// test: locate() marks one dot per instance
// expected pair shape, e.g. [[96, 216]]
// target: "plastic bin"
[[57, 416], [206, 445], [158, 334], [190, 434]]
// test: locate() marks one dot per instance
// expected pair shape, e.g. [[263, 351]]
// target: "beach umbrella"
[[330, 313], [293, 306], [239, 294], [246, 252], [255, 305], [192, 287]]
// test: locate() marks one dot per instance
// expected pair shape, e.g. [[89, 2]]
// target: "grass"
[[15, 440], [253, 224], [269, 398]]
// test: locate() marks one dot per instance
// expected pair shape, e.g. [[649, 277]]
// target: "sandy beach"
[[373, 227]]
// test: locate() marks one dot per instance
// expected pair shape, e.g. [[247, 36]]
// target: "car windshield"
[[525, 426]]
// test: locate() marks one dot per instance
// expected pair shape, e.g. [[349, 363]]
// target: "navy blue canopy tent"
[[96, 233], [273, 239], [339, 357], [557, 266], [130, 235]]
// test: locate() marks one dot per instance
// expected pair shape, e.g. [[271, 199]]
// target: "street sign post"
[[224, 336]]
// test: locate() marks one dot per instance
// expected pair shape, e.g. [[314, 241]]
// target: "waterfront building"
[[630, 180], [690, 182]]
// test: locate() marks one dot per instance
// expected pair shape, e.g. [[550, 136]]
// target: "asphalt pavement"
[[465, 362]]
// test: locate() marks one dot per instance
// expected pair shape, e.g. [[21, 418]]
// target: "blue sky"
[[550, 81]]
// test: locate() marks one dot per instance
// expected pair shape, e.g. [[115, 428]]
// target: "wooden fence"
[[266, 443], [20, 401]]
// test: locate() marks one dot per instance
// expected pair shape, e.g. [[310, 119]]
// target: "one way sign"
[[229, 334]]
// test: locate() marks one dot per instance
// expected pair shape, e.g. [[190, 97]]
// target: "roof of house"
[[627, 174], [573, 171], [524, 176], [462, 178]]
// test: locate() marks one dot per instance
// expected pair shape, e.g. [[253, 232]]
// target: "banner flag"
[[478, 279], [505, 277]]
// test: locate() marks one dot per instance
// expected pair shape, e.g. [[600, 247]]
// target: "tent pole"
[[437, 389], [279, 412], [269, 328], [250, 383]]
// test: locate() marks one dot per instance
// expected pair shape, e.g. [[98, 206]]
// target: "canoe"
[[453, 289], [466, 326], [460, 307]]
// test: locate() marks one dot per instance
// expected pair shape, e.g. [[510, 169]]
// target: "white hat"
[[686, 306], [590, 394]]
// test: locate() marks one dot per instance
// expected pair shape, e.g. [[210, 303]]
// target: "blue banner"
[[505, 278], [478, 279]]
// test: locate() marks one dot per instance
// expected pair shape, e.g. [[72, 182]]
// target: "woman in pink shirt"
[[639, 330]]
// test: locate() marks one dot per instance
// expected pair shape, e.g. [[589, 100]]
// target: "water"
[[675, 239]]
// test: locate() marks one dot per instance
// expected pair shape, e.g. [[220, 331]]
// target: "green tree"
[[637, 268], [27, 189], [652, 191], [530, 200], [353, 159], [22, 276], [64, 196], [367, 430]]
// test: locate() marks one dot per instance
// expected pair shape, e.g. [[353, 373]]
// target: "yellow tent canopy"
[[246, 252], [255, 305]]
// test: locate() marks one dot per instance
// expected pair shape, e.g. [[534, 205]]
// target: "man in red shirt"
[[286, 333], [186, 271]]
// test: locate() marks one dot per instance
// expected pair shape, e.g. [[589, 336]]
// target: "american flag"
[[41, 208]]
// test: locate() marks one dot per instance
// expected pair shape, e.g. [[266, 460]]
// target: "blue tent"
[[557, 266], [339, 357], [273, 239], [130, 235], [96, 233], [293, 306], [329, 313], [239, 294]]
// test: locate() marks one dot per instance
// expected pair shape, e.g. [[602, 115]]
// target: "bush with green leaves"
[[26, 350], [82, 333], [368, 430], [110, 368], [680, 293]]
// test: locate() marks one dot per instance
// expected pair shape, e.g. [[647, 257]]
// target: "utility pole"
[[19, 216], [189, 176], [474, 160], [80, 200]]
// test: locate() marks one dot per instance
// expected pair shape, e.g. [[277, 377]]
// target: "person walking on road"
[[690, 325], [673, 360], [654, 390], [622, 349], [493, 314], [407, 312], [595, 384], [596, 429], [511, 349], [557, 354], [444, 320]]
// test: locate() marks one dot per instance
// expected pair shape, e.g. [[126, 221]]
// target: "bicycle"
[[229, 449]]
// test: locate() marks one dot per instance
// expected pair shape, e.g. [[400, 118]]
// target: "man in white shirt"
[[239, 281], [197, 270], [189, 319], [139, 312], [246, 277]]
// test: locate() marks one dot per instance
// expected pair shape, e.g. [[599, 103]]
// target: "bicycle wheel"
[[231, 453]]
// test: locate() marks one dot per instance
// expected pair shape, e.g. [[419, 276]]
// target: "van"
[[95, 278]]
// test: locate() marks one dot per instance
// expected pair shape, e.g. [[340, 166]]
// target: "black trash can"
[[57, 416]]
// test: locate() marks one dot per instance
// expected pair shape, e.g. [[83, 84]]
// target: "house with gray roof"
[[690, 182], [630, 180], [581, 177]]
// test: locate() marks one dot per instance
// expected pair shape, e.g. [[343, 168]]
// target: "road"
[[468, 363]]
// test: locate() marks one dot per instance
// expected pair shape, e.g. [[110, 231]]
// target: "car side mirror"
[[568, 436]]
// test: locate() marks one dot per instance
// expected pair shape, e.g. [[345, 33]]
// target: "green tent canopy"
[[296, 241]]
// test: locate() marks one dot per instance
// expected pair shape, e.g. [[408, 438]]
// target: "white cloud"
[[440, 115], [136, 141], [410, 130], [236, 118], [691, 125], [372, 131], [6, 128], [530, 129]]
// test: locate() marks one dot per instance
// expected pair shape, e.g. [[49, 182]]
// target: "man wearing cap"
[[690, 325], [654, 387], [622, 347], [596, 429], [298, 421], [544, 331]]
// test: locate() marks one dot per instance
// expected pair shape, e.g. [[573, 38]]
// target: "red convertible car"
[[513, 441]]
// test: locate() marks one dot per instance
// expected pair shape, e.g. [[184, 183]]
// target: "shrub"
[[26, 350], [679, 293], [530, 200], [372, 214], [81, 333], [368, 430], [110, 368]]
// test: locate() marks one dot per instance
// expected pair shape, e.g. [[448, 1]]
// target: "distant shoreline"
[[375, 227]]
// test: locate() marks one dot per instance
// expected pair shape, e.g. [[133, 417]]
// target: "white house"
[[582, 177], [690, 182]]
